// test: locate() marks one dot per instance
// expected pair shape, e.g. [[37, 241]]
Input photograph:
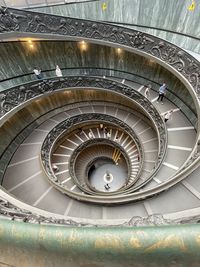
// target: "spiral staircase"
[[93, 151]]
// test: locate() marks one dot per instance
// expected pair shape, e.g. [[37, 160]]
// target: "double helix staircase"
[[31, 186]]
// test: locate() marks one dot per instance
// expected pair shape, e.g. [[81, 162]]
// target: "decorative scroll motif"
[[11, 212], [26, 21], [62, 129], [151, 220], [8, 21], [13, 97]]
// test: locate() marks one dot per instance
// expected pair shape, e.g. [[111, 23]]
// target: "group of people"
[[102, 129], [39, 76], [105, 130], [161, 94]]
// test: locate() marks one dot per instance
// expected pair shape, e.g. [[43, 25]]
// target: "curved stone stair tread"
[[14, 175], [47, 125], [55, 201], [171, 164], [37, 136], [176, 199], [139, 127]]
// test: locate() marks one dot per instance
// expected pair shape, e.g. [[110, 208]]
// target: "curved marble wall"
[[20, 60], [163, 15]]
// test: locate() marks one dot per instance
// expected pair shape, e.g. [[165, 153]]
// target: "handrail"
[[61, 129], [178, 60], [48, 86], [128, 76], [21, 94], [86, 69]]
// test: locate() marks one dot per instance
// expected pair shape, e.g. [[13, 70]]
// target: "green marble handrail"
[[25, 244]]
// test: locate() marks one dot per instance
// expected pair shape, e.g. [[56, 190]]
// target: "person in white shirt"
[[109, 135], [167, 115], [90, 135], [58, 71], [55, 167], [147, 91], [37, 73]]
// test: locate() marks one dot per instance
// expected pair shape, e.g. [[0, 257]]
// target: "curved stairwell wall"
[[168, 241], [47, 54], [170, 20]]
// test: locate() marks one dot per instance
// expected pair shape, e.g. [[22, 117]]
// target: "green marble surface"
[[24, 244], [17, 58], [162, 14]]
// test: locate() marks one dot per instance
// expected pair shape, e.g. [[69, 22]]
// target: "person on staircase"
[[58, 71], [167, 115], [147, 91], [162, 92]]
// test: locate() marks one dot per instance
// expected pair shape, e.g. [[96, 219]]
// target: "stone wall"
[[156, 17]]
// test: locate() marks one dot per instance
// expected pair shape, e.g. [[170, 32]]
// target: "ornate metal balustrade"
[[183, 64], [63, 128], [13, 98], [13, 20], [19, 95], [174, 58], [14, 213]]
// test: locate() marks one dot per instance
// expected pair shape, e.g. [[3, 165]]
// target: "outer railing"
[[18, 96], [177, 60], [172, 57], [109, 73]]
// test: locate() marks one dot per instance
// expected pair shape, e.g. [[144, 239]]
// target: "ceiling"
[[36, 3]]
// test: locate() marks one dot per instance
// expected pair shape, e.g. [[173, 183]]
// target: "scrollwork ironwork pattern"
[[12, 212], [9, 99], [86, 144], [32, 22], [62, 129]]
